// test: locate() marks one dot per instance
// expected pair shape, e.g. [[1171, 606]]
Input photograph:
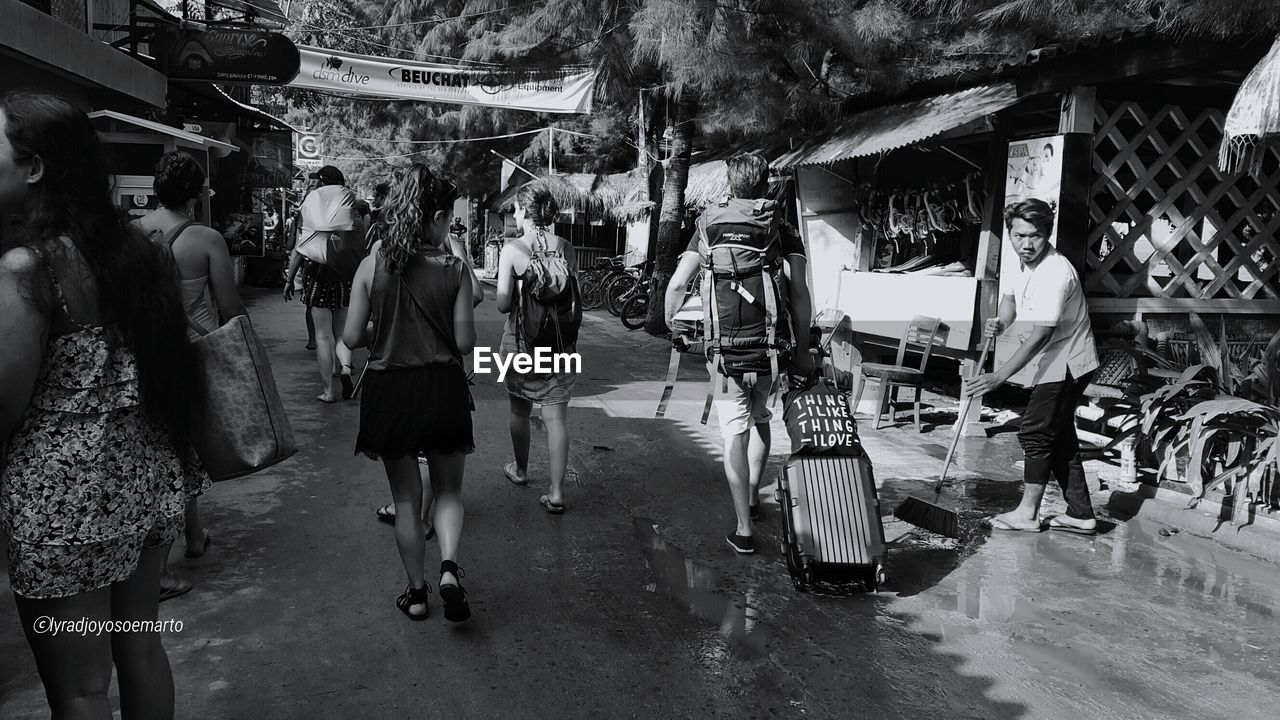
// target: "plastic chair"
[[920, 337]]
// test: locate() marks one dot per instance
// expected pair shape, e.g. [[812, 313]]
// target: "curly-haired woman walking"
[[415, 401]]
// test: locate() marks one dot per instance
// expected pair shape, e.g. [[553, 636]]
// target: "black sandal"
[[413, 597], [454, 596]]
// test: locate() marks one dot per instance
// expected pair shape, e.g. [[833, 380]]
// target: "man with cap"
[[331, 236]]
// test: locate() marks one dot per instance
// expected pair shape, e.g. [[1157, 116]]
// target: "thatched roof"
[[597, 197], [708, 182]]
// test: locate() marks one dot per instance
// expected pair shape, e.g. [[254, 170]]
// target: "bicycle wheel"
[[593, 296], [615, 290], [635, 311]]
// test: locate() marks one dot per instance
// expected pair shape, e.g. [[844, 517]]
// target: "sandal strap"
[[449, 566]]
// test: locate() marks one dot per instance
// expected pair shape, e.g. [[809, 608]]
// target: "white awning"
[[187, 137], [878, 130]]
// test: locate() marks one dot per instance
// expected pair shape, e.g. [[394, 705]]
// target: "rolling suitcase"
[[831, 527]]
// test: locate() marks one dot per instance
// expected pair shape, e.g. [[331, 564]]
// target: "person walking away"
[[411, 305], [454, 246], [292, 226], [1061, 353], [537, 290], [751, 244], [100, 380], [328, 208], [204, 269]]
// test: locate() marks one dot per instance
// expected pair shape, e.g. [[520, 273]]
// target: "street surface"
[[630, 605]]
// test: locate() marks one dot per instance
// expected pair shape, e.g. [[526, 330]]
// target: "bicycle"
[[591, 282], [635, 306], [621, 286]]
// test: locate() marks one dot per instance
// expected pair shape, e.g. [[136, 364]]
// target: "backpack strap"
[[711, 394], [673, 369]]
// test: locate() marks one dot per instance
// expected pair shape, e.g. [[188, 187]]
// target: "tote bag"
[[240, 426]]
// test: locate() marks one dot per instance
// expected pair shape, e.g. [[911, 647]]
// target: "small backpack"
[[548, 308]]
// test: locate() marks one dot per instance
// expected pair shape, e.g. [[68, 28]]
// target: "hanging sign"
[[306, 151], [369, 76], [1033, 170], [227, 55]]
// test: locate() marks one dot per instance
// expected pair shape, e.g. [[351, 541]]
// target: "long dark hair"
[[136, 282]]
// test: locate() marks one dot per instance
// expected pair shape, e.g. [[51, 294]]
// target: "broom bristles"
[[931, 517]]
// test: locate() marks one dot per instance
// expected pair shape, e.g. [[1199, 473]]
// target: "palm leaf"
[[1212, 409], [1209, 354], [1195, 466]]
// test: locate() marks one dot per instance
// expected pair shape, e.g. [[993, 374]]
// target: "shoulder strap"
[[172, 237], [449, 341]]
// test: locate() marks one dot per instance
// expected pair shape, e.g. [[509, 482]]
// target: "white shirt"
[[1050, 295]]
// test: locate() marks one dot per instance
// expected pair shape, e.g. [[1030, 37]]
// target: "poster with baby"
[[1033, 170]]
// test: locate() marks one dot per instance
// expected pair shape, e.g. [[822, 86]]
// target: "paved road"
[[631, 606]]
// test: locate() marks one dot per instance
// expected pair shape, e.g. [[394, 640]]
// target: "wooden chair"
[[920, 337]]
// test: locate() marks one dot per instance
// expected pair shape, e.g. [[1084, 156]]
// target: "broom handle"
[[964, 415]]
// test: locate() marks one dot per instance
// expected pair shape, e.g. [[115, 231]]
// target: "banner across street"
[[370, 76]]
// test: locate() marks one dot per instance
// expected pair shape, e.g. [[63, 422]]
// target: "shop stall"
[[901, 206], [136, 144]]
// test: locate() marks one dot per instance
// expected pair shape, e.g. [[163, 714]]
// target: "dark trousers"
[[1049, 442]]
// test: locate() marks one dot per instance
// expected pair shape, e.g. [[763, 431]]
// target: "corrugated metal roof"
[[188, 137], [884, 128], [268, 10]]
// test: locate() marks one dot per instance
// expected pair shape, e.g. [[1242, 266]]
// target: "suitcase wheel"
[[876, 577]]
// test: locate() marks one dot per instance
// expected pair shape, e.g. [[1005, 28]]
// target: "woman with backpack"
[[537, 291], [411, 304]]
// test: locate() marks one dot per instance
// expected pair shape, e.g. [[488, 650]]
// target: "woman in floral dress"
[[98, 379]]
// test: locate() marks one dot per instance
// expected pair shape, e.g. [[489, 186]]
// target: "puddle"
[[693, 587]]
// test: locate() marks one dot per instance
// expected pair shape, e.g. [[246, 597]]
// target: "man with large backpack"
[[757, 309]]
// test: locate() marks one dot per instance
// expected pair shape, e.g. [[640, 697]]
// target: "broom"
[[930, 515]]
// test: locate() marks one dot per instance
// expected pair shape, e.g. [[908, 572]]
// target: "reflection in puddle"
[[692, 586]]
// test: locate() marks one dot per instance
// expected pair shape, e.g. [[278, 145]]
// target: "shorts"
[[741, 407], [323, 288]]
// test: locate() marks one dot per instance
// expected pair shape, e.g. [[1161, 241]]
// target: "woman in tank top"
[[204, 269], [411, 304]]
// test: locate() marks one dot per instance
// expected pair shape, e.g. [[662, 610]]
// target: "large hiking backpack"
[[548, 308], [744, 297]]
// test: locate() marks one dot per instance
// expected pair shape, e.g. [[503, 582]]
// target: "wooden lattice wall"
[[1165, 223]]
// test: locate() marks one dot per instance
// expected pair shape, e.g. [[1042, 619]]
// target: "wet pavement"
[[632, 605]]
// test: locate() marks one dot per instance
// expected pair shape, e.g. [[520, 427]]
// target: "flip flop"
[[1063, 527], [179, 587], [553, 508], [322, 399], [998, 524], [204, 547], [348, 387], [387, 514], [510, 471]]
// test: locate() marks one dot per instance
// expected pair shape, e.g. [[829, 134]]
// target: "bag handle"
[[169, 239]]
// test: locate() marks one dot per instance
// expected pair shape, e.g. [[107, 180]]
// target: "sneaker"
[[741, 544]]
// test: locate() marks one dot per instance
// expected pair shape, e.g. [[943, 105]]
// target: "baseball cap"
[[329, 175]]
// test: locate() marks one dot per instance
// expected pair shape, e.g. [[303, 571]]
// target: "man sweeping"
[[1061, 354]]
